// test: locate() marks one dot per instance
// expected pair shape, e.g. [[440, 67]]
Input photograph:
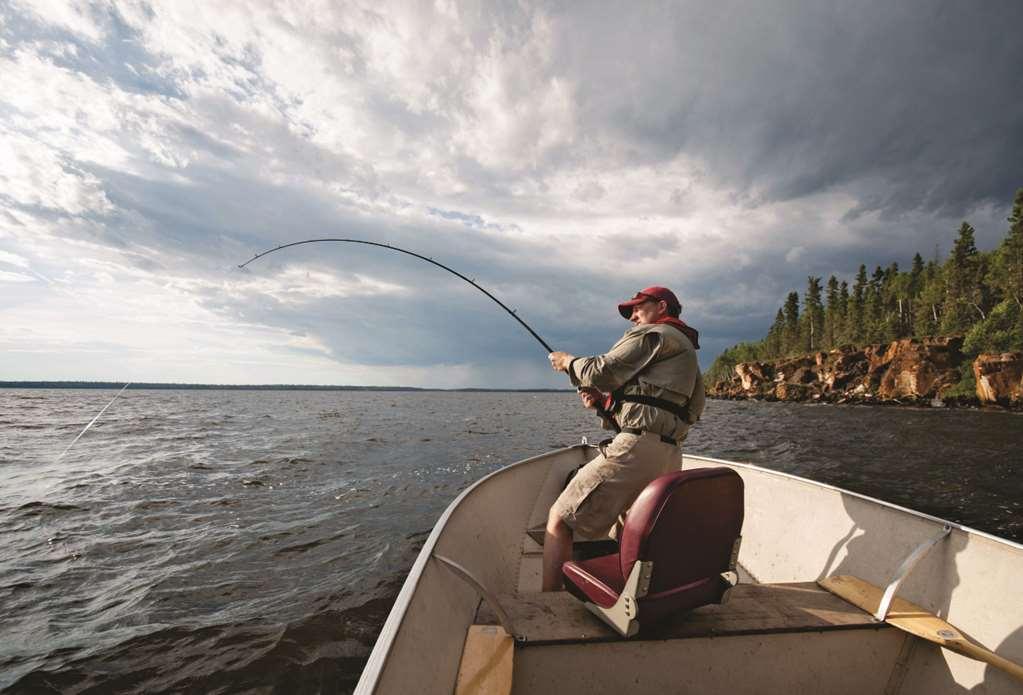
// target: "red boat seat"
[[677, 551]]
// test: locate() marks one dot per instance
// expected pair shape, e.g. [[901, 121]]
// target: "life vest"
[[676, 373]]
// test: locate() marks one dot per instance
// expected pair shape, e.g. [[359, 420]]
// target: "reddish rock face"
[[915, 368], [753, 375], [999, 378], [796, 369], [791, 392], [843, 367]]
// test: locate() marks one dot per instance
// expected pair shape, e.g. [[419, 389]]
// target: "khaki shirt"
[[651, 360]]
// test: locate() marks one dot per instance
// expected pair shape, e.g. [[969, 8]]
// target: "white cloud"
[[794, 254], [13, 259], [6, 276]]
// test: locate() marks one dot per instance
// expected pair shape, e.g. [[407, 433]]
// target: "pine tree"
[[855, 328], [1007, 266], [813, 315], [872, 309], [962, 284], [843, 313], [929, 300], [774, 342], [832, 317], [790, 340], [916, 280]]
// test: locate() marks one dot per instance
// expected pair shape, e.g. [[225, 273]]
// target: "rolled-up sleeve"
[[611, 370]]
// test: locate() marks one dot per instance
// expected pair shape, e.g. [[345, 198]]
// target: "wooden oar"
[[915, 620]]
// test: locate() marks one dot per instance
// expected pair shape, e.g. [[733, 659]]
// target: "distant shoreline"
[[248, 387]]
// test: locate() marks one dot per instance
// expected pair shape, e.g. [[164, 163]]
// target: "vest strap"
[[679, 411]]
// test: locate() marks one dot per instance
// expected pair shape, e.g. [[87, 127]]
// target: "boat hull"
[[795, 531]]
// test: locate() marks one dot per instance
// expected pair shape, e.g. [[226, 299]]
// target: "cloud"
[[564, 156]]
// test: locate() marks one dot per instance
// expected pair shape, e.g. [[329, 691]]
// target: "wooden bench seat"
[[559, 618]]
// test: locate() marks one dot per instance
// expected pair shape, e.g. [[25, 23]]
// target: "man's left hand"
[[560, 361]]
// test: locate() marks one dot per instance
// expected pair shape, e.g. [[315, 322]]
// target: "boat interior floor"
[[752, 609]]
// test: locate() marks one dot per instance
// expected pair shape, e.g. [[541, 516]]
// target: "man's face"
[[649, 311]]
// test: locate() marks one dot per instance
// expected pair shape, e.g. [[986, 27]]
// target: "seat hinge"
[[623, 616]]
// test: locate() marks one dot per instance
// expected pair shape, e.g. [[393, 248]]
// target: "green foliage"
[[1002, 331], [967, 385], [723, 366], [1005, 274], [976, 293]]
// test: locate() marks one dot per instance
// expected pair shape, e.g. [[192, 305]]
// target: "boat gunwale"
[[385, 640], [883, 503]]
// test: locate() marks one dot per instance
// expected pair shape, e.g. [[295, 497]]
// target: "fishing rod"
[[92, 422], [415, 255]]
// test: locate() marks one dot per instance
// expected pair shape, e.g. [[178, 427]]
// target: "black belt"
[[664, 438]]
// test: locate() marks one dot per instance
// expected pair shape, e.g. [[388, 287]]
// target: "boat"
[[470, 616]]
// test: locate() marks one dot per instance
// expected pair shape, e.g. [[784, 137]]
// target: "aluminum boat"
[[470, 617]]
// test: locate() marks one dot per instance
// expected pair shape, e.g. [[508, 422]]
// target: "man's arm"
[[611, 370]]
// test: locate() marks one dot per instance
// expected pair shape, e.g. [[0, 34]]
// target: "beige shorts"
[[606, 486]]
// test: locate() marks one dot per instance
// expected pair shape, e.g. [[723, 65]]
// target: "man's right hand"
[[591, 397]]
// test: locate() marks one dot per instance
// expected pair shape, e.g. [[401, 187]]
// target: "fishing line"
[[92, 422], [422, 258]]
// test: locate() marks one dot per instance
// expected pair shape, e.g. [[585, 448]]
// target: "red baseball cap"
[[655, 293]]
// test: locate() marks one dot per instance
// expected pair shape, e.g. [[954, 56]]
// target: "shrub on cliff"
[[724, 366], [1001, 331]]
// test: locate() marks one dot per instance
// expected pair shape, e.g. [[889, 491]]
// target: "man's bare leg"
[[557, 549]]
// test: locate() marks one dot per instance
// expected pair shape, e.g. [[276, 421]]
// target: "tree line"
[[972, 293]]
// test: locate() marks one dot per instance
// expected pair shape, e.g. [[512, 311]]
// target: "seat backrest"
[[686, 523]]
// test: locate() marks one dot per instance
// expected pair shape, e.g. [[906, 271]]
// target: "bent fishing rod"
[[414, 255]]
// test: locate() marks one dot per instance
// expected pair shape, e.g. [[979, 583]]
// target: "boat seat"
[[678, 551]]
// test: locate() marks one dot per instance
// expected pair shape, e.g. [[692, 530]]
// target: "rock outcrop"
[[910, 371], [999, 378]]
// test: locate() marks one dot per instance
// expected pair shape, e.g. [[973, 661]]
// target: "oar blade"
[[913, 619]]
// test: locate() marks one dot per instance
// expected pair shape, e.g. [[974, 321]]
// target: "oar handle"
[[975, 651]]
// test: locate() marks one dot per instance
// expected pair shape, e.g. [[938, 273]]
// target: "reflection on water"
[[231, 540]]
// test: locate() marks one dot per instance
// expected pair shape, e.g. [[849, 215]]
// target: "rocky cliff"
[[909, 371]]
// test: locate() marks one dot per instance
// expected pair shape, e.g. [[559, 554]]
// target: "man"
[[649, 389]]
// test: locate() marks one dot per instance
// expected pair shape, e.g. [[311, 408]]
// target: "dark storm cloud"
[[909, 105]]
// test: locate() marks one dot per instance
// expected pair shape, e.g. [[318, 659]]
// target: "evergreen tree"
[[855, 329], [790, 342], [832, 317], [873, 310], [929, 310], [962, 284], [916, 281], [1007, 266], [775, 340], [916, 276], [813, 315], [843, 313]]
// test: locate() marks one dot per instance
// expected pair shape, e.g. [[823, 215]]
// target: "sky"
[[564, 155]]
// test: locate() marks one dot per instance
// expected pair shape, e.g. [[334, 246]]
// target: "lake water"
[[253, 541]]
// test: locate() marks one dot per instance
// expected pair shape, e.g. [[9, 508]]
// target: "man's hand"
[[591, 397], [560, 361]]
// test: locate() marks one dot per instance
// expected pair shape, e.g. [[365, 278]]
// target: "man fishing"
[[647, 388]]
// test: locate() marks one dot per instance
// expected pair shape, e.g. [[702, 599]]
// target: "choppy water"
[[253, 541]]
